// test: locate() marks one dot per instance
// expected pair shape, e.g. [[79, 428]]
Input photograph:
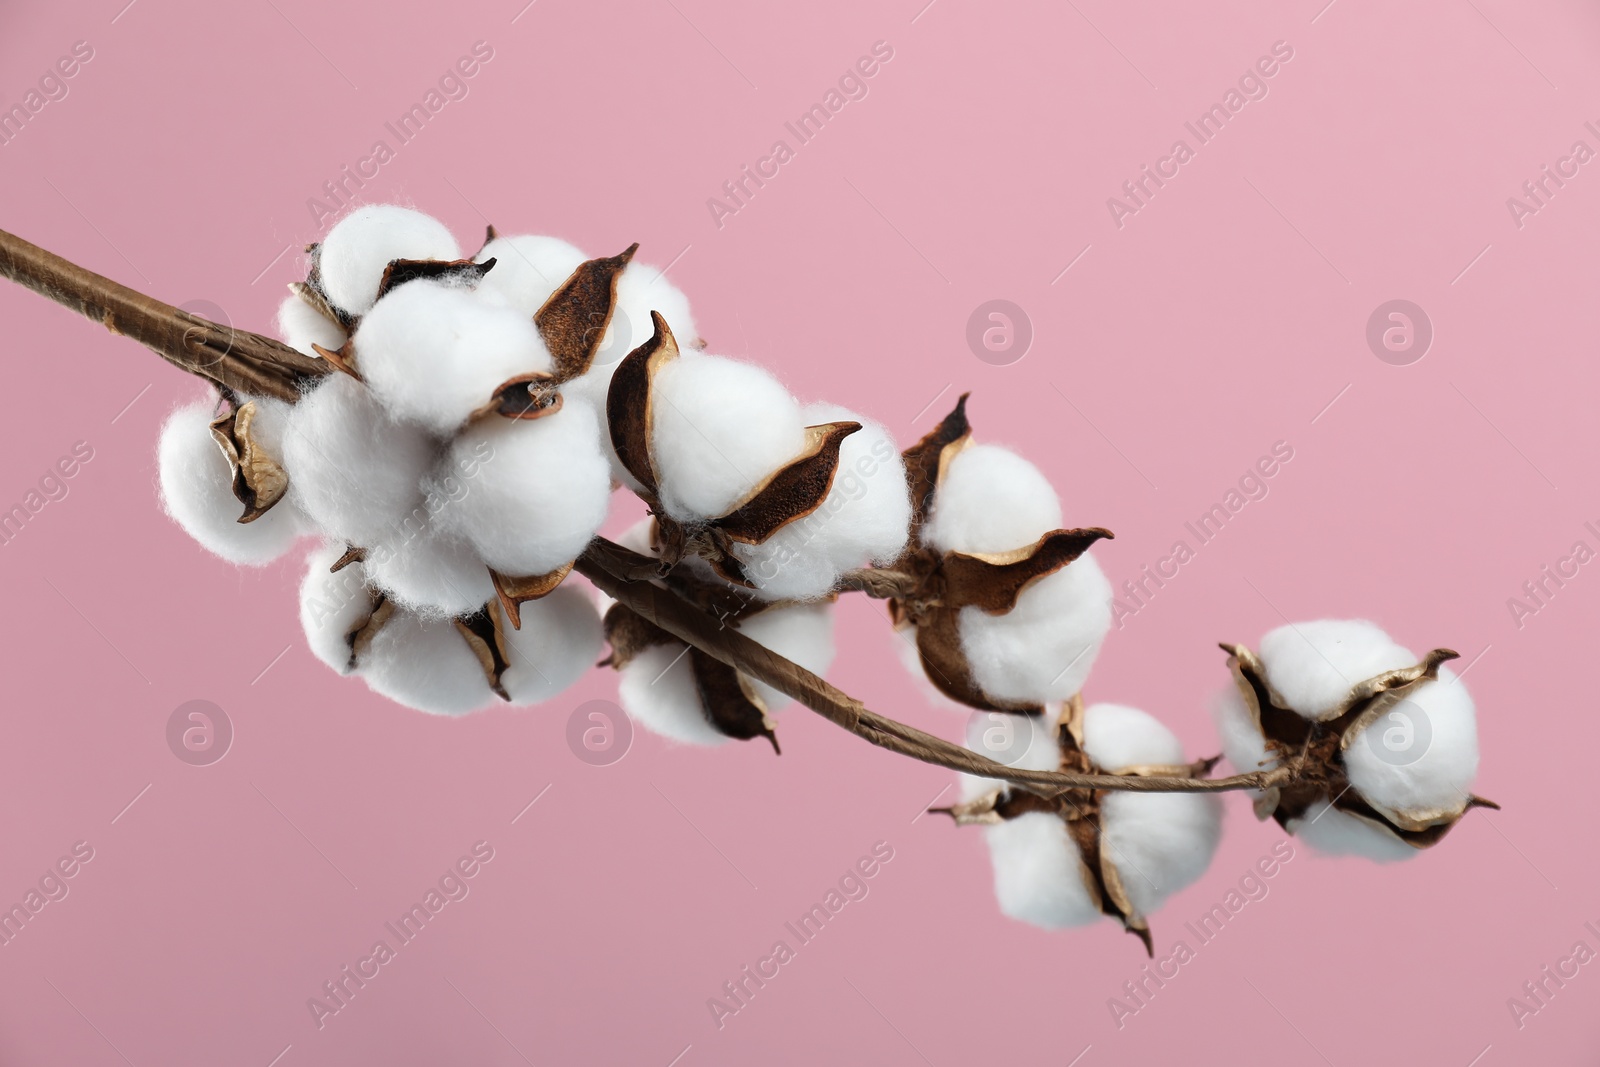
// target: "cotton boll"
[[425, 664], [864, 520], [1242, 740], [197, 492], [560, 638], [1420, 757], [1159, 842], [1044, 647], [435, 352], [363, 243], [721, 428], [539, 491], [333, 604], [1328, 830], [991, 500], [904, 644], [802, 633], [430, 572], [302, 325], [1039, 875], [353, 470], [658, 691], [1312, 665], [1116, 736], [527, 269]]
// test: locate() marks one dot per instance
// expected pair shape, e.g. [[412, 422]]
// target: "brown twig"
[[257, 365]]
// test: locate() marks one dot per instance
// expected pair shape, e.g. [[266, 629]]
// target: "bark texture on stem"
[[237, 359]]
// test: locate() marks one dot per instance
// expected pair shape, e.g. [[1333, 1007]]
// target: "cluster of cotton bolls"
[[1412, 767], [1155, 843], [405, 458], [991, 502]]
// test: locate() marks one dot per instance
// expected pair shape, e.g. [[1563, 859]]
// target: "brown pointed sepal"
[[573, 320], [729, 701], [527, 396], [483, 634], [791, 492], [945, 664], [259, 480], [342, 360], [629, 633], [514, 592], [629, 415], [927, 459], [993, 582], [359, 637], [400, 271]]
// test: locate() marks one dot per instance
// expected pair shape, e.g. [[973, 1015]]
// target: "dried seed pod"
[[259, 480], [1383, 762], [1067, 859], [1008, 611]]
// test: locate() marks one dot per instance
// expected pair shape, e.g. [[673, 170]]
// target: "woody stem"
[[257, 365]]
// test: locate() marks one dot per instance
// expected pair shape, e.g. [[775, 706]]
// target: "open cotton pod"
[[1068, 859], [348, 266], [1008, 610], [724, 457], [1383, 746], [222, 479]]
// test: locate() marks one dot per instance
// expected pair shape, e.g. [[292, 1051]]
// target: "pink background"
[[1223, 317]]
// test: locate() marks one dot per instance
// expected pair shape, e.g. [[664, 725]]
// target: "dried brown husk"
[[484, 633], [359, 637], [514, 592], [791, 492], [1316, 749], [1080, 810], [527, 396], [400, 271], [629, 415], [314, 299], [927, 460], [574, 319], [341, 359], [259, 480]]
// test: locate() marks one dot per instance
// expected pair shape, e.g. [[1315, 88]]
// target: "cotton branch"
[[253, 364]]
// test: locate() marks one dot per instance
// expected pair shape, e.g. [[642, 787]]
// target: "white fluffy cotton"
[[1159, 842], [1044, 647], [527, 269], [864, 520], [658, 691], [1039, 875], [1328, 830], [332, 605], [540, 495], [425, 664], [363, 243], [1312, 665], [559, 640], [1437, 719], [721, 428], [197, 491], [302, 325], [1242, 740], [354, 471], [801, 633], [435, 352], [991, 500], [640, 290], [1025, 742], [429, 571]]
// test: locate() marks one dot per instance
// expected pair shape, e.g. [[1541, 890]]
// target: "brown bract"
[[932, 587], [1314, 751], [259, 480], [728, 698], [574, 319], [1080, 810], [787, 494]]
